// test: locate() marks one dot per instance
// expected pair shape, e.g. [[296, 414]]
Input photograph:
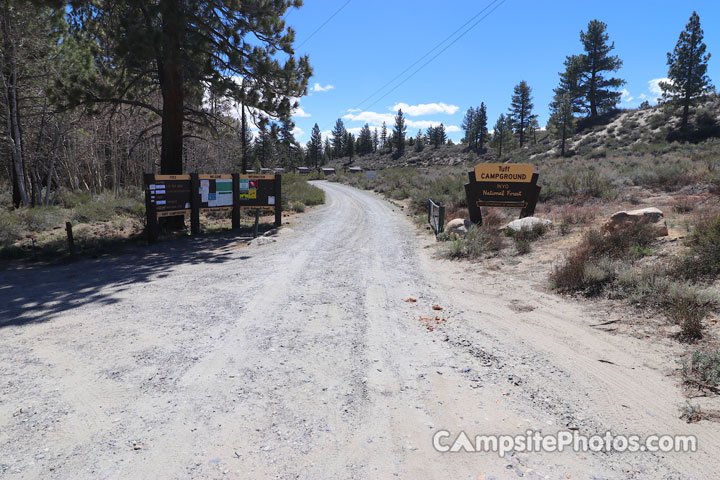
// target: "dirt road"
[[299, 358]]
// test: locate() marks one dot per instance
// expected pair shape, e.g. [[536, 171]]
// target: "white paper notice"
[[271, 200]]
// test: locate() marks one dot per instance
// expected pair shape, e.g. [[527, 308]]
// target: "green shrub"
[[99, 210], [522, 246], [296, 189], [588, 266], [702, 370], [476, 242], [703, 256], [689, 314], [72, 199], [37, 219], [11, 227]]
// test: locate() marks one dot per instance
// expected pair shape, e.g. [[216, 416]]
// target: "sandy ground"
[[298, 357]]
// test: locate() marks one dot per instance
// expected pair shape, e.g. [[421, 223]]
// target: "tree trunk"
[[243, 128], [173, 93], [171, 85]]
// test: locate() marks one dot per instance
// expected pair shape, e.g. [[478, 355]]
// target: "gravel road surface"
[[297, 356]]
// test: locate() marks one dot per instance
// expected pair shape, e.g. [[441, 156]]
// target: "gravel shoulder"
[[298, 357]]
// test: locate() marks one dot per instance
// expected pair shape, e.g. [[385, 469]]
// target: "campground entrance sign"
[[173, 195], [508, 185]]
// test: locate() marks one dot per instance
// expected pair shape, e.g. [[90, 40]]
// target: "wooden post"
[[473, 209], [529, 210], [236, 200], [257, 222], [194, 204], [278, 200], [71, 242], [151, 224], [441, 220]]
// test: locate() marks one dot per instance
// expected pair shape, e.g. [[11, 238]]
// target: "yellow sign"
[[251, 194], [504, 172], [257, 177]]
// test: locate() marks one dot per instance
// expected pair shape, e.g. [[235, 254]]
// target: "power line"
[[422, 57], [323, 24], [438, 54]]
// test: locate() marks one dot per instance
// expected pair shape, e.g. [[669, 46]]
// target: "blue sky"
[[371, 41]]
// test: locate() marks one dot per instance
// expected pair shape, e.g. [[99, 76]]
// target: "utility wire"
[[422, 57], [323, 24], [438, 54]]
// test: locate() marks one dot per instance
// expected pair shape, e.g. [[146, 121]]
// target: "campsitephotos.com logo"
[[535, 441]]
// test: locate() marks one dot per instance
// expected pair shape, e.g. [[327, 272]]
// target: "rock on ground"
[[458, 226], [628, 218], [528, 223]]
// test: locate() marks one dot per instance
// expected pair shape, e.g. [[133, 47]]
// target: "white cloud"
[[654, 87], [319, 88], [625, 96], [353, 110], [298, 132], [299, 112], [425, 109], [373, 118]]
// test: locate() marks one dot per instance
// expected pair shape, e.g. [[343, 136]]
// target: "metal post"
[[441, 220]]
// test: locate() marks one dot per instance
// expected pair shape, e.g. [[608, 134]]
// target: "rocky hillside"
[[628, 133]]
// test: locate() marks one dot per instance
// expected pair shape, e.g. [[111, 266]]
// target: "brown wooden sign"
[[174, 195], [504, 185]]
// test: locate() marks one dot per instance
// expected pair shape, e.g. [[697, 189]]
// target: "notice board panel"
[[170, 194], [256, 191], [216, 192]]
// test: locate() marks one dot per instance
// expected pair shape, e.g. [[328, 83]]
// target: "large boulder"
[[528, 223], [457, 226], [628, 218]]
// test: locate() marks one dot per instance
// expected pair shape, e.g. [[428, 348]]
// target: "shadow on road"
[[30, 294]]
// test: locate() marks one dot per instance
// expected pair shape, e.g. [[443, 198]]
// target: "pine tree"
[[597, 89], [349, 146], [480, 127], [399, 134], [375, 140], [314, 146], [327, 149], [339, 134], [500, 134], [561, 117], [383, 138], [439, 136], [687, 69], [365, 142], [468, 125], [520, 114], [419, 142], [180, 51]]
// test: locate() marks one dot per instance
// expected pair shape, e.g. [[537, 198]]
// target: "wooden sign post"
[[170, 195], [508, 185]]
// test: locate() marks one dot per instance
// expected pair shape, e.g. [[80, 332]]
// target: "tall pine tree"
[[399, 134], [688, 69], [598, 90], [314, 146], [520, 114], [339, 134]]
